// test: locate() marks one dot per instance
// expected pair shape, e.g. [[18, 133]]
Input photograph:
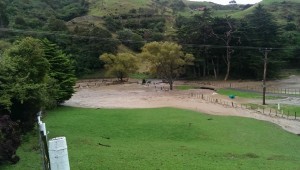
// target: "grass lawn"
[[244, 94], [184, 87], [168, 138]]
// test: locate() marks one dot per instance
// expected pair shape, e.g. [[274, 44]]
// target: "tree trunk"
[[228, 71], [214, 68], [171, 85], [228, 61]]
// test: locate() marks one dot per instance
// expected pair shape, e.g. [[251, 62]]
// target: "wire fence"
[[272, 112]]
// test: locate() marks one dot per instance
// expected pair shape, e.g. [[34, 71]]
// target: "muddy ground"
[[109, 94]]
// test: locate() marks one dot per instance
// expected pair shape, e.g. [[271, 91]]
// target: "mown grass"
[[245, 94], [238, 93], [288, 109], [168, 138], [184, 87]]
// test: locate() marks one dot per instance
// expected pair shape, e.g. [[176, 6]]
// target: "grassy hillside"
[[115, 7]]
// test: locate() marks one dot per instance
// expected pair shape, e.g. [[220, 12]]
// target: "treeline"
[[34, 75], [224, 46]]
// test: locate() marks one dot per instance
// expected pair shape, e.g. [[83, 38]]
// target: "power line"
[[51, 33]]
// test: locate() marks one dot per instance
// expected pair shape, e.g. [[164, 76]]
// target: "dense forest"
[[86, 29], [45, 44]]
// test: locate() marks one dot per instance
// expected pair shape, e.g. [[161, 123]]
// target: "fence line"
[[261, 110]]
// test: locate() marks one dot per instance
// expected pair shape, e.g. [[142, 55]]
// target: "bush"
[[9, 140]]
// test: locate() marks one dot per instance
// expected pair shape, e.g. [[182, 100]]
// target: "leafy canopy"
[[166, 60], [120, 65]]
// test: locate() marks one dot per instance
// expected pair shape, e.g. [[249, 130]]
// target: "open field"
[[168, 138]]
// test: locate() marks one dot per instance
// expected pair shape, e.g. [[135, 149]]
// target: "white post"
[[278, 106], [58, 154]]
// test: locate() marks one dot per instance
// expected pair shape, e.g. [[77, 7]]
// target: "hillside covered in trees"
[[85, 29]]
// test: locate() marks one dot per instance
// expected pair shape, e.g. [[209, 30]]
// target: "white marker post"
[[58, 154], [278, 106]]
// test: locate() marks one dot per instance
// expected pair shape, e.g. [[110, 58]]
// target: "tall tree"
[[3, 15], [262, 28], [120, 65], [23, 80], [262, 32], [198, 32], [62, 72], [166, 60], [225, 30]]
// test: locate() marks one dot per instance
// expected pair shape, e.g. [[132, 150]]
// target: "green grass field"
[[245, 94], [238, 93], [167, 138], [184, 87]]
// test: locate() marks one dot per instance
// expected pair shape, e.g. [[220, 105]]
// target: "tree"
[[197, 30], [130, 39], [166, 60], [87, 46], [4, 21], [225, 30], [61, 71], [23, 78], [262, 32], [120, 65], [262, 28]]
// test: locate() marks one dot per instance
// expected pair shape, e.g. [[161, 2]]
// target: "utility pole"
[[265, 51]]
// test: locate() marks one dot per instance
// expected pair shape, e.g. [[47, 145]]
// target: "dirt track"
[[157, 95]]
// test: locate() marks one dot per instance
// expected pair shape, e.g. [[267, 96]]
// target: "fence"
[[43, 142], [255, 108], [55, 156]]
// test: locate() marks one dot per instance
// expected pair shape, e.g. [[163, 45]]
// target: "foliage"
[[198, 30], [130, 39], [40, 11], [9, 140], [55, 24], [61, 71], [166, 60], [3, 16], [33, 75], [23, 86], [120, 65], [87, 45], [112, 24], [262, 28]]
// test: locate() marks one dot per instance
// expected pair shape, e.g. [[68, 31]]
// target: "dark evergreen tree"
[[61, 70]]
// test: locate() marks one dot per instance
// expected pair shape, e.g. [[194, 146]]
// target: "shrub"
[[9, 140]]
